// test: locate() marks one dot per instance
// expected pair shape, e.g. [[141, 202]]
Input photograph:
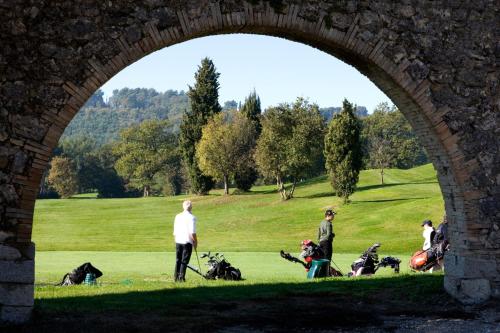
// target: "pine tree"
[[246, 177], [204, 100], [251, 109], [343, 152]]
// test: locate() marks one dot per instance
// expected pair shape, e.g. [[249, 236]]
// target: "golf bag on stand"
[[423, 260], [310, 252], [218, 268], [368, 262]]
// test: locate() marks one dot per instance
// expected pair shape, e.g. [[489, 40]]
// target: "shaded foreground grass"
[[405, 287], [319, 305]]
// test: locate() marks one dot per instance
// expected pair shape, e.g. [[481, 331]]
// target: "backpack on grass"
[[77, 276]]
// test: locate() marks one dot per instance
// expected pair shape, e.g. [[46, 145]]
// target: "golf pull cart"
[[424, 260], [368, 262], [218, 268], [312, 254]]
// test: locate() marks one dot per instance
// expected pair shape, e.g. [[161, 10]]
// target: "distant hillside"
[[102, 120]]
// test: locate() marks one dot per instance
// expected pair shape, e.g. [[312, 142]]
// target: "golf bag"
[[310, 251], [218, 268], [368, 263], [423, 260], [77, 276]]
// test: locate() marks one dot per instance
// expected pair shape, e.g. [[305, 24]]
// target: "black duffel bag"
[[77, 276]]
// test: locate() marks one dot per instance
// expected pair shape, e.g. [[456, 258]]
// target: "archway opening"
[[129, 228]]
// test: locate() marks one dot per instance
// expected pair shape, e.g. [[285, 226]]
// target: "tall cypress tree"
[[343, 152], [246, 177], [204, 101], [251, 109]]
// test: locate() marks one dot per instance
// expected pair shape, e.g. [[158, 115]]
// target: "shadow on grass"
[[317, 195], [307, 182], [253, 192], [413, 287], [389, 200], [377, 186], [320, 305], [367, 188]]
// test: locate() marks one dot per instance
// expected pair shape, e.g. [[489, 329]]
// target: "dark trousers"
[[327, 249], [182, 256]]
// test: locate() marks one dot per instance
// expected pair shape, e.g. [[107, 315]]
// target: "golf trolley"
[[368, 262], [218, 268], [311, 253], [424, 260]]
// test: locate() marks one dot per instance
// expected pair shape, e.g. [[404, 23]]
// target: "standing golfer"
[[326, 235], [185, 239]]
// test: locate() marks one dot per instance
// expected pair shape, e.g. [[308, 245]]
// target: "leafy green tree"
[[343, 152], [63, 176], [103, 177], [251, 109], [389, 141], [226, 146], [381, 155], [290, 143], [144, 151], [204, 101]]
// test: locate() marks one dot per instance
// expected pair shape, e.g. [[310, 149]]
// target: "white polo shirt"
[[184, 226], [427, 238]]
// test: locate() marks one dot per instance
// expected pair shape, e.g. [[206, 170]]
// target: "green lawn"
[[130, 241], [254, 222], [144, 267], [145, 272]]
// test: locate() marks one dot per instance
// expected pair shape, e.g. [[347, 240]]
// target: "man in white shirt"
[[428, 234], [185, 239]]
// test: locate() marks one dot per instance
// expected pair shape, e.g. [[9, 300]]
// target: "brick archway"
[[437, 63]]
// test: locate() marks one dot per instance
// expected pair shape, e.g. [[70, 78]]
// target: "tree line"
[[235, 145]]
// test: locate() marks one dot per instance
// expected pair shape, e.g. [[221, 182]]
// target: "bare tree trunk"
[[226, 188], [346, 199], [382, 175], [281, 187], [290, 195], [146, 191]]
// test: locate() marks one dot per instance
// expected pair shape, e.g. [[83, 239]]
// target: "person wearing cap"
[[428, 234], [326, 235], [185, 240]]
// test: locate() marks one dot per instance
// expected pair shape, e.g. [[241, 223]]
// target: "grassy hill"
[[254, 222]]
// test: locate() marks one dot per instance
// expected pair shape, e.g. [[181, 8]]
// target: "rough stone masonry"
[[437, 60]]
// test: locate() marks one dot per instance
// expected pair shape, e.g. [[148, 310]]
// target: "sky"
[[278, 69]]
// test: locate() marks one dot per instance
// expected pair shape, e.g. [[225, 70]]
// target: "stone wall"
[[438, 61]]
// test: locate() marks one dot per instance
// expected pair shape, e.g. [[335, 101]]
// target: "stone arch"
[[390, 43]]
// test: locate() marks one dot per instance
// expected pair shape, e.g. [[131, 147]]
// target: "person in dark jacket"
[[326, 235]]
